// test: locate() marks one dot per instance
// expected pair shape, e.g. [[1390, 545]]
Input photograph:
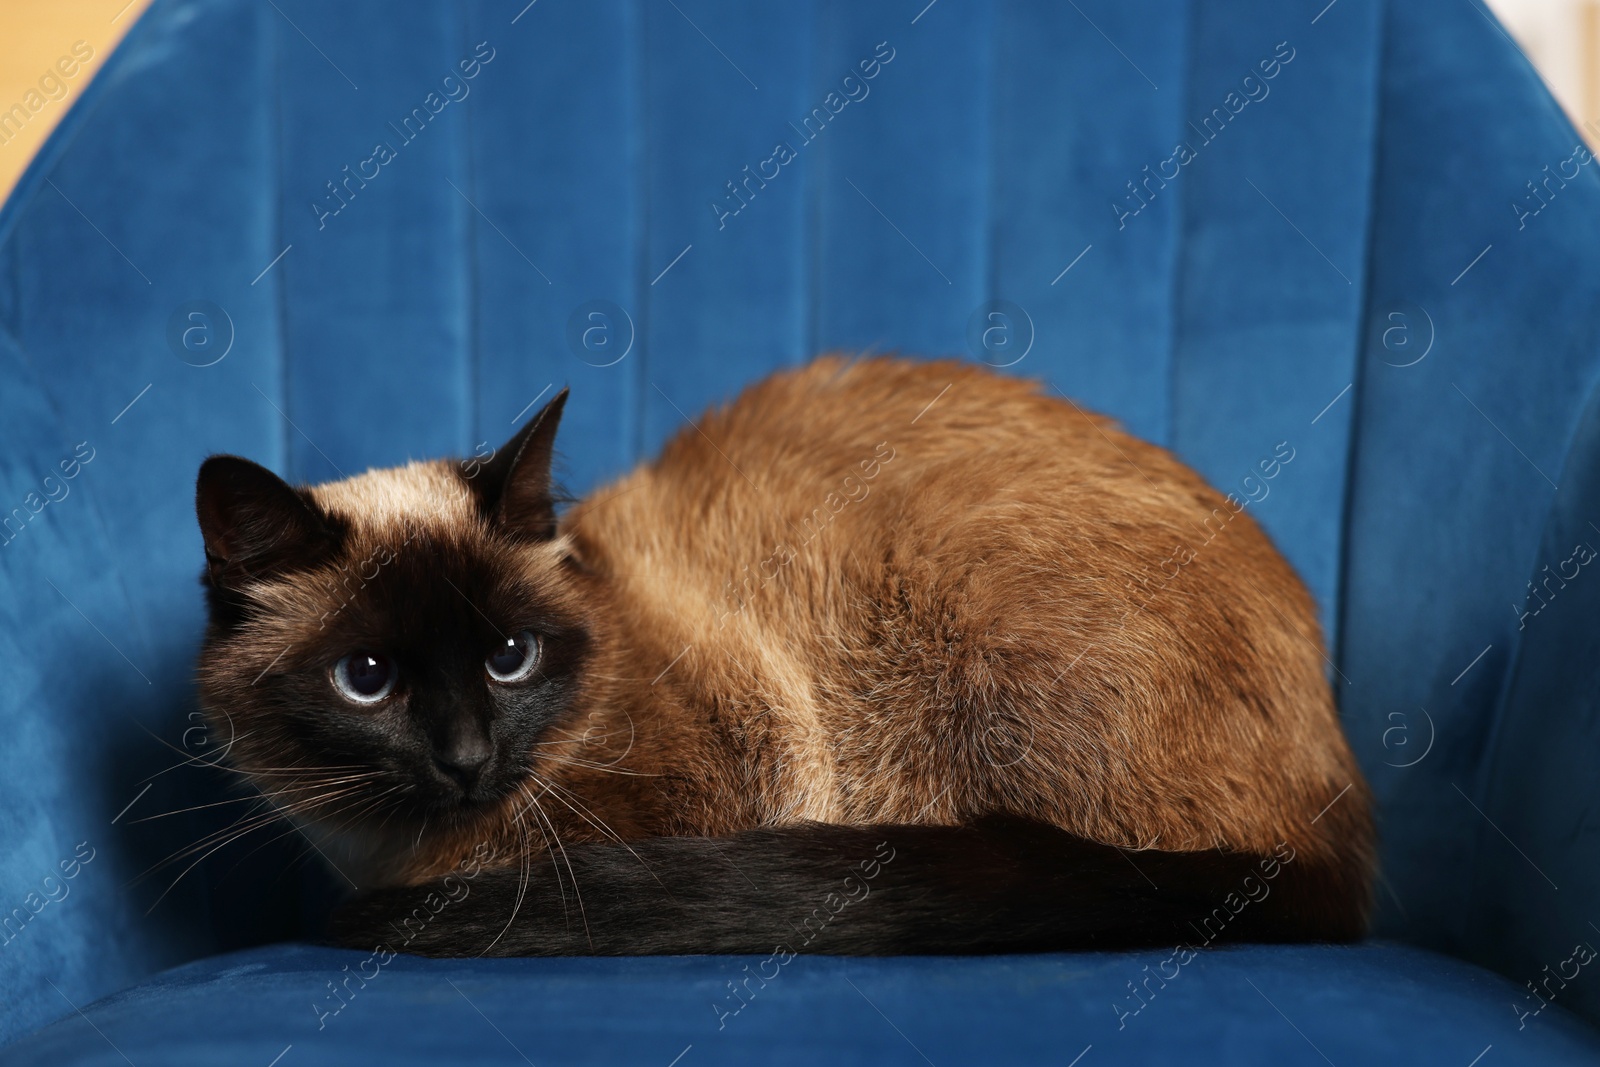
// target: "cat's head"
[[393, 646]]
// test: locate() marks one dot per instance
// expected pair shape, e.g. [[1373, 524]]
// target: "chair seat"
[[1316, 1004]]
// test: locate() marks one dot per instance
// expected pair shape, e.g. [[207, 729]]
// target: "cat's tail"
[[997, 885]]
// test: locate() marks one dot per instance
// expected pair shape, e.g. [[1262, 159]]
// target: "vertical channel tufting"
[[56, 786], [114, 251], [1537, 778], [133, 268], [811, 227], [1371, 313], [1175, 273], [374, 204], [902, 226], [1272, 248], [277, 385], [555, 205], [1085, 95], [988, 270], [644, 139], [638, 39], [472, 301], [1476, 431], [8, 288], [724, 245], [804, 250]]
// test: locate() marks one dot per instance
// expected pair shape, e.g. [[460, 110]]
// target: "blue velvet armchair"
[[337, 235]]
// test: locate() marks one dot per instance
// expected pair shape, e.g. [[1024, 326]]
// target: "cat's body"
[[872, 594]]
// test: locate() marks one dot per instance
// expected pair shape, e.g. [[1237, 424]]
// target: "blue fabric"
[[1365, 1004], [1375, 246]]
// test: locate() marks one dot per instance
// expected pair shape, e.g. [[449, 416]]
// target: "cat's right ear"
[[254, 523]]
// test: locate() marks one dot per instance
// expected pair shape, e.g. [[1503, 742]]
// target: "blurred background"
[[1560, 37]]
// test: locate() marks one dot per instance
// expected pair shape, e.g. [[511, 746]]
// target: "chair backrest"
[[334, 236]]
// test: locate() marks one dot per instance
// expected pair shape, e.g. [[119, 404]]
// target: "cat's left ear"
[[514, 488]]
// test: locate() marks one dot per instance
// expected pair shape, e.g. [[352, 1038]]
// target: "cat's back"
[[924, 590], [796, 426], [934, 442], [820, 491], [784, 436]]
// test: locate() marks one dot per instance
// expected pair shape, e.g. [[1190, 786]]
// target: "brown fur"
[[869, 592]]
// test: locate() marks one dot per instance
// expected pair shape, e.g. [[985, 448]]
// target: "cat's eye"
[[364, 677], [514, 660]]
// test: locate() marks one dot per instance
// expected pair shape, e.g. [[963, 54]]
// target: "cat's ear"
[[514, 487], [254, 524]]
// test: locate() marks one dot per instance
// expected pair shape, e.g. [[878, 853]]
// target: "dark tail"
[[997, 885]]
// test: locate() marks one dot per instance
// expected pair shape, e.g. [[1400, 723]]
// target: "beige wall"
[[37, 42], [1562, 39]]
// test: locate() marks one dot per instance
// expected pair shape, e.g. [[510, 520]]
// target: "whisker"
[[418, 842], [526, 868], [197, 807], [181, 874], [632, 735], [556, 834], [303, 855], [254, 796], [588, 816], [189, 758], [525, 864], [523, 872], [591, 765], [388, 810], [292, 829], [237, 825], [248, 822]]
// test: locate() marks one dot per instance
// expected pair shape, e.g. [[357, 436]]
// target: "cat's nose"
[[464, 760]]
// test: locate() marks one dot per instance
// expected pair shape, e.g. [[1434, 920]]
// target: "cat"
[[884, 656]]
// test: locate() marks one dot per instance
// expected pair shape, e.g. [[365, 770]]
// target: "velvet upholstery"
[[1385, 256], [1372, 1003]]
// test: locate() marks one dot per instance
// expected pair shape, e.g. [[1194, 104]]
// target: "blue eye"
[[364, 677], [514, 660]]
